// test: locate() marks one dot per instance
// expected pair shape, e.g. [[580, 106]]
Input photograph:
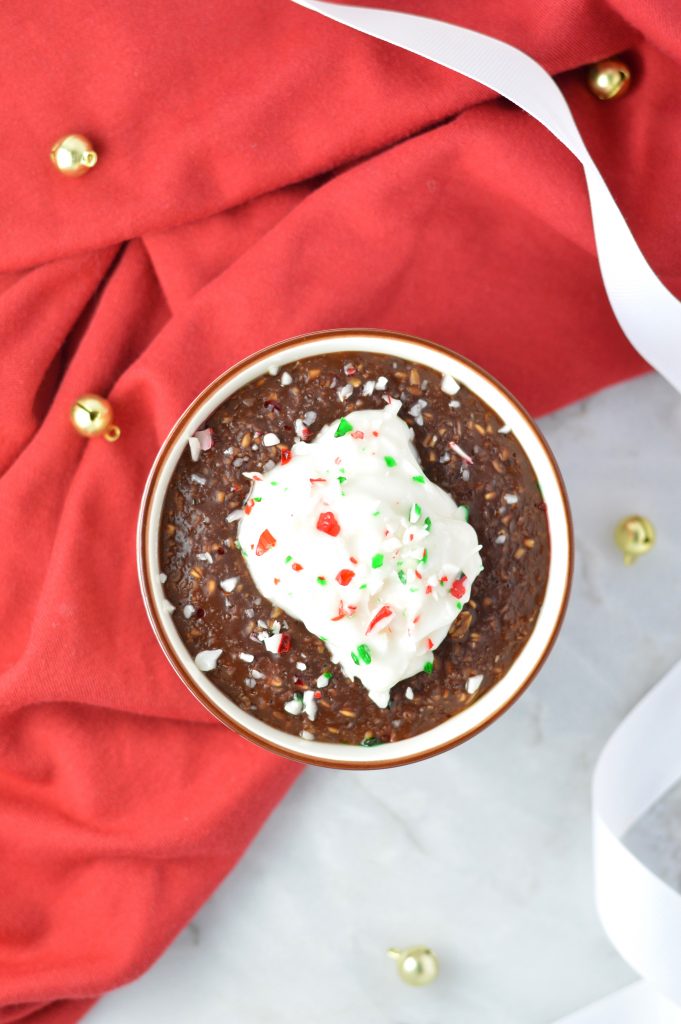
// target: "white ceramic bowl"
[[492, 703]]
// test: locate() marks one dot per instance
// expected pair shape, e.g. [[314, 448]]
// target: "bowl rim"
[[265, 355]]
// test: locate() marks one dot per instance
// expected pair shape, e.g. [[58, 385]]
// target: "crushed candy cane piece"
[[162, 577], [270, 440], [381, 383], [310, 704], [194, 448], [188, 611], [246, 657], [286, 379], [345, 392], [295, 706], [504, 430], [511, 499], [368, 388], [460, 452], [448, 384], [206, 661], [473, 684], [229, 585], [409, 693]]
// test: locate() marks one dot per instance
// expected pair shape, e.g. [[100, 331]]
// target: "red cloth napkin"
[[263, 172]]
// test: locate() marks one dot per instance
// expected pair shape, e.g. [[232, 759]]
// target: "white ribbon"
[[642, 759]]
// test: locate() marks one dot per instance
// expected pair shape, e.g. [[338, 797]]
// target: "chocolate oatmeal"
[[269, 660]]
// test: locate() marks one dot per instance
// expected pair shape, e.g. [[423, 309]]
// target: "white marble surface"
[[484, 852]]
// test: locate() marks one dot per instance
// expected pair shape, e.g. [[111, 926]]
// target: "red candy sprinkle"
[[381, 614], [429, 590], [286, 456], [284, 643], [430, 644], [317, 480], [327, 523], [341, 613], [265, 542], [358, 434], [344, 577], [296, 566], [354, 560], [458, 587], [249, 506]]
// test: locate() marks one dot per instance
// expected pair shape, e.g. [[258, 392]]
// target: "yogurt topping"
[[348, 535]]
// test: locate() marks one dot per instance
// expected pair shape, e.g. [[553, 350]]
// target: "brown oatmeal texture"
[[486, 637]]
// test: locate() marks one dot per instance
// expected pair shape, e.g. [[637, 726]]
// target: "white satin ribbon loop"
[[646, 310]]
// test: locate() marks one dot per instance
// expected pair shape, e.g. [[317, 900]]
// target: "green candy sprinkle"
[[323, 639], [390, 461], [364, 653], [274, 483], [428, 522], [327, 675], [459, 605], [372, 741], [377, 561], [428, 667], [344, 427], [377, 512], [289, 558], [363, 587], [424, 557], [402, 576], [414, 513], [420, 479], [257, 499], [322, 581], [342, 479], [354, 657]]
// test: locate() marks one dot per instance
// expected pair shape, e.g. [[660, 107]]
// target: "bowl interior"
[[490, 704]]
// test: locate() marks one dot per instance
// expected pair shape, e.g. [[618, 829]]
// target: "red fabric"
[[263, 172]]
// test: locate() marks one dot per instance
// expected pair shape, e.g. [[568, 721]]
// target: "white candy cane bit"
[[473, 684], [460, 452], [368, 388], [205, 556], [301, 430], [205, 438], [448, 384], [322, 681], [409, 693], [306, 735], [286, 379], [252, 476], [170, 608], [454, 404], [301, 666], [344, 392], [504, 430], [310, 705], [295, 706], [194, 448], [206, 661], [381, 383], [246, 657], [257, 675], [235, 514], [500, 538], [309, 417], [229, 584], [272, 643], [162, 577], [196, 479], [188, 611], [270, 440], [511, 499]]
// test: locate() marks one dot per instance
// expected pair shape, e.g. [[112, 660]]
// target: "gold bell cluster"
[[417, 965], [609, 79], [635, 536], [93, 416], [73, 155]]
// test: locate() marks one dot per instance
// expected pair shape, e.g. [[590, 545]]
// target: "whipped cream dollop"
[[348, 535]]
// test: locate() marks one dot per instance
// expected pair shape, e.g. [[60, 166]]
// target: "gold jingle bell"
[[635, 535], [416, 966], [73, 155], [609, 79], [92, 416]]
